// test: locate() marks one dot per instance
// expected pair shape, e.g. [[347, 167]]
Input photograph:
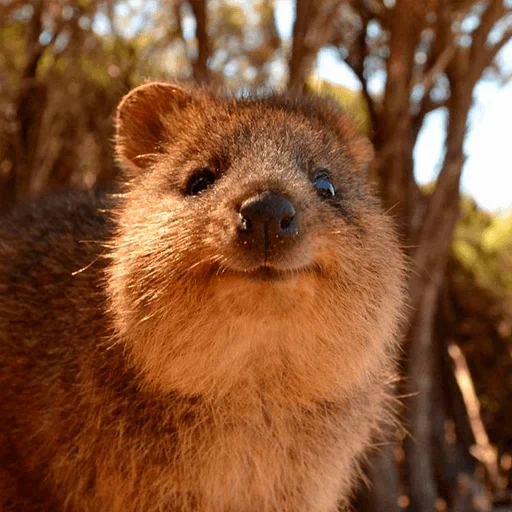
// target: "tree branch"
[[482, 450], [463, 78], [374, 9], [427, 106], [313, 29], [492, 52], [356, 59], [488, 20], [479, 57], [439, 65], [200, 65]]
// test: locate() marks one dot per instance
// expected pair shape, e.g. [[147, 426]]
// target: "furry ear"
[[349, 117], [141, 121], [358, 146]]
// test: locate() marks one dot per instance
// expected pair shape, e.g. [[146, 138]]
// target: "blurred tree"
[[64, 64], [58, 78]]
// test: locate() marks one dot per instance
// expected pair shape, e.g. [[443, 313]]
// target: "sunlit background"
[[487, 175]]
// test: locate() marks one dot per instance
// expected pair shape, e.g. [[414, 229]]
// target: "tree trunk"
[[382, 489], [420, 468]]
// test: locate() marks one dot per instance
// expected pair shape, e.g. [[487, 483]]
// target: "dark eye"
[[323, 184], [200, 181]]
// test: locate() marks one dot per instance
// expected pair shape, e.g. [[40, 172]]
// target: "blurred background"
[[429, 81]]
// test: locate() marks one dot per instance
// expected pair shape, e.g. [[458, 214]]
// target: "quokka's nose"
[[268, 218]]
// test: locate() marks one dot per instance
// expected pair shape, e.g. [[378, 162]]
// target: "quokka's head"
[[248, 210]]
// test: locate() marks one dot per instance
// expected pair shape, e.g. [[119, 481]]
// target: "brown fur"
[[145, 368]]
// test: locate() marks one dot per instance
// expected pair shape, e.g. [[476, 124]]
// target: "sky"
[[487, 174]]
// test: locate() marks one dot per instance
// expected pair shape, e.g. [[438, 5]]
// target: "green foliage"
[[483, 246], [480, 282], [12, 55]]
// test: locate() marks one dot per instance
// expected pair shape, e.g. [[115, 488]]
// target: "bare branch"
[[372, 8], [313, 29], [482, 450], [110, 18], [489, 18], [200, 65], [479, 57], [427, 106], [492, 52], [33, 47], [440, 65], [356, 58], [176, 8]]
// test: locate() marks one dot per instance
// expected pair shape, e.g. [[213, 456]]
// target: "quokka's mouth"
[[265, 273]]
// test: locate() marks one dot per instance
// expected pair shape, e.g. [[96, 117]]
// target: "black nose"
[[268, 218]]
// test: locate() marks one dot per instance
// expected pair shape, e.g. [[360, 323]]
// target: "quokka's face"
[[259, 191], [247, 213]]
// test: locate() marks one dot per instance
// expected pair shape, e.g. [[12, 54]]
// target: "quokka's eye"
[[323, 184], [200, 181]]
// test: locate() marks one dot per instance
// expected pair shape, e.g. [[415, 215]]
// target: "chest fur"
[[267, 460]]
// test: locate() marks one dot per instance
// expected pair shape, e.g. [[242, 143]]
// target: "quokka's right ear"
[[142, 120]]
